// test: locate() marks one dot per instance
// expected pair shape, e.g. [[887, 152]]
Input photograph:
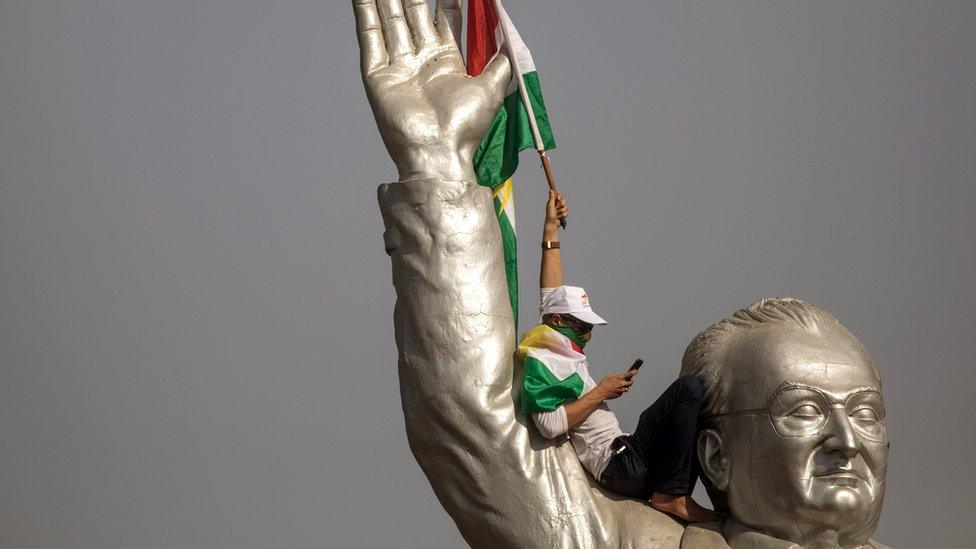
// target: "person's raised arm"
[[551, 273]]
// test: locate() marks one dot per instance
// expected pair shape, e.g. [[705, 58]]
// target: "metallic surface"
[[795, 435], [503, 484]]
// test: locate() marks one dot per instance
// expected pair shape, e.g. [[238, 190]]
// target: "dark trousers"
[[660, 455]]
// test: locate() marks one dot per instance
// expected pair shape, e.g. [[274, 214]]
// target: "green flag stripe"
[[510, 133], [511, 257], [496, 160], [544, 392]]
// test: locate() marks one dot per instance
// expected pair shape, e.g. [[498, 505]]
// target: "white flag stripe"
[[520, 58], [523, 56]]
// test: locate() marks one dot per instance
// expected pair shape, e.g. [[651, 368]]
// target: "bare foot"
[[682, 507]]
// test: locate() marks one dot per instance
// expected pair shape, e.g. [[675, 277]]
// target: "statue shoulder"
[[704, 535], [708, 535]]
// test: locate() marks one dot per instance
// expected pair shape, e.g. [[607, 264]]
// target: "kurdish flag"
[[513, 129], [555, 370]]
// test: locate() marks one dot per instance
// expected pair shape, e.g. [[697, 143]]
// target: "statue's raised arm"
[[503, 484]]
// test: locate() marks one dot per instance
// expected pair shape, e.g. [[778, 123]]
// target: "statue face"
[[805, 442]]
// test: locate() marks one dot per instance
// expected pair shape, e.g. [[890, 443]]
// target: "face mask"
[[573, 335]]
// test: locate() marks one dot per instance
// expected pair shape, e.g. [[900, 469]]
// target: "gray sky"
[[196, 344]]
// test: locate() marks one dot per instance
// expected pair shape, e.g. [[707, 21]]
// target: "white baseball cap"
[[571, 300]]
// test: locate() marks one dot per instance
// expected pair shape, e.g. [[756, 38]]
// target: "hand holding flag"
[[557, 210]]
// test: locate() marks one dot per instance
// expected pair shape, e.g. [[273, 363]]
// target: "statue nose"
[[840, 435]]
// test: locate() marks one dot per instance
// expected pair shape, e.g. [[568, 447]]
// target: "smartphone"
[[637, 364]]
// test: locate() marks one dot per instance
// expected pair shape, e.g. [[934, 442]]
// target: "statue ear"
[[714, 462]]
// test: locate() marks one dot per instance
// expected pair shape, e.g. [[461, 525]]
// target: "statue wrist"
[[435, 165]]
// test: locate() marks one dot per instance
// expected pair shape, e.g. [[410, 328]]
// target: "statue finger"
[[372, 48], [448, 14], [420, 23], [453, 16], [395, 30]]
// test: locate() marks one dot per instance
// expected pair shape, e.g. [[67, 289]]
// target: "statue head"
[[793, 422]]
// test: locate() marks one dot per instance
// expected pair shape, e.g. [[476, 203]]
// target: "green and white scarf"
[[554, 368]]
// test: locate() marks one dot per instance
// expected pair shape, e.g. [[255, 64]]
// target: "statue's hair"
[[703, 358]]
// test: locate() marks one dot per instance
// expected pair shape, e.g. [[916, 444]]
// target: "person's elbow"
[[551, 424], [549, 432]]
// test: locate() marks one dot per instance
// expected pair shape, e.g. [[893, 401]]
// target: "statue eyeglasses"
[[801, 411]]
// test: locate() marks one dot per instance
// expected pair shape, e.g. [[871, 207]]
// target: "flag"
[[554, 370], [512, 129]]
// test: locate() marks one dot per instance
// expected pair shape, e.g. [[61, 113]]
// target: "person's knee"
[[691, 387]]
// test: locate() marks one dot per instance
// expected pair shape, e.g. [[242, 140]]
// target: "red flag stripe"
[[482, 46]]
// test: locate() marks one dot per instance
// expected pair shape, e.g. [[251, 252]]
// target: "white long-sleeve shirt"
[[593, 437], [552, 424]]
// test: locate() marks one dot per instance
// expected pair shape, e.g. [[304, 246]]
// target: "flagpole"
[[540, 147]]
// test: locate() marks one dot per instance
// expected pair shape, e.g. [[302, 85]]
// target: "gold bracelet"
[[550, 244]]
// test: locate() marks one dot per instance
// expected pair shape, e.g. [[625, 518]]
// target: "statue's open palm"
[[430, 113]]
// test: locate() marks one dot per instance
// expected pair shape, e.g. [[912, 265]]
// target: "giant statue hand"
[[432, 116], [502, 483]]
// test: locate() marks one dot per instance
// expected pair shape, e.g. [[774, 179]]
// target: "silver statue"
[[502, 483], [794, 435]]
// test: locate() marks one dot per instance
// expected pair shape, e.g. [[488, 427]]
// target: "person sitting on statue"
[[657, 463]]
